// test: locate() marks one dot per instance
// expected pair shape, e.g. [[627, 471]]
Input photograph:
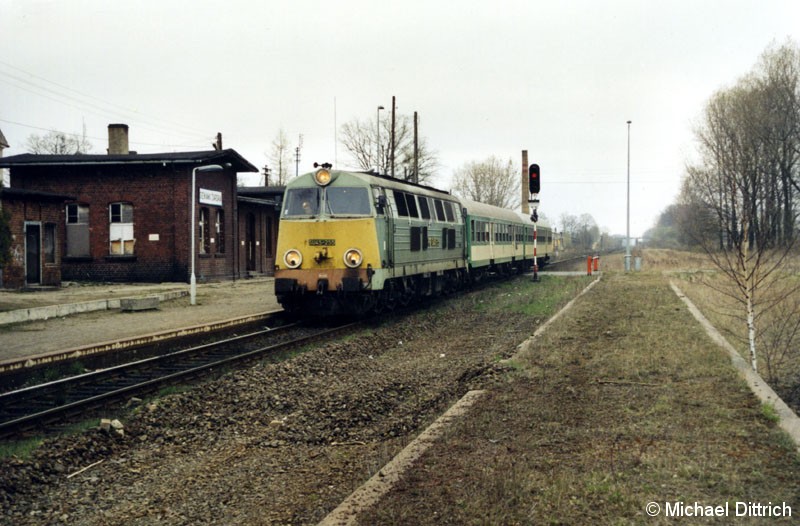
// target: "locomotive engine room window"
[[344, 201], [203, 233], [120, 229], [448, 210], [424, 208], [439, 210], [411, 200], [301, 202], [400, 201], [77, 230], [219, 230]]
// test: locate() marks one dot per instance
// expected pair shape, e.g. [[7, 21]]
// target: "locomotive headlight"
[[353, 258], [293, 258], [322, 177]]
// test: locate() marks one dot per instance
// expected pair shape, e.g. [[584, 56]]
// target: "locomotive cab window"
[[346, 201], [301, 202]]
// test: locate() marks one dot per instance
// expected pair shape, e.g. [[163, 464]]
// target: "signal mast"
[[534, 182]]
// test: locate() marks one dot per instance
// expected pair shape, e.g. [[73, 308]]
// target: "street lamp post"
[[628, 219], [378, 163], [192, 255]]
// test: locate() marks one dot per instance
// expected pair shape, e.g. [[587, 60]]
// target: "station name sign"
[[210, 197]]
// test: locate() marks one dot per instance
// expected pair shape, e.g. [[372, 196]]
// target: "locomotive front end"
[[327, 244]]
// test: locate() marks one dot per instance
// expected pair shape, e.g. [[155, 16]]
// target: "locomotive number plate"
[[322, 242]]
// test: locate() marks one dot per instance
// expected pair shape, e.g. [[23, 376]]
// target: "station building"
[[126, 216]]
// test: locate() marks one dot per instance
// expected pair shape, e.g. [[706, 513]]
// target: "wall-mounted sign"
[[210, 197]]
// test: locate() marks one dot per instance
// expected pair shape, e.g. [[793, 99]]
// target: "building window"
[[219, 229], [50, 243], [204, 234], [77, 230], [120, 229]]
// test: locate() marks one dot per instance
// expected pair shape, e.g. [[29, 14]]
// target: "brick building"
[[129, 218], [36, 219], [259, 212]]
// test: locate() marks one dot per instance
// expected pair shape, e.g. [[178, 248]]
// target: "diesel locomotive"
[[356, 242]]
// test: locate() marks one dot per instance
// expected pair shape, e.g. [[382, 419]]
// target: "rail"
[[53, 401]]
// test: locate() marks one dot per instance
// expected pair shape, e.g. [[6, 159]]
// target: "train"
[[355, 243]]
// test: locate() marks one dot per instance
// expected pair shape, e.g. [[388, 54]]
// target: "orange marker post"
[[596, 263], [588, 265]]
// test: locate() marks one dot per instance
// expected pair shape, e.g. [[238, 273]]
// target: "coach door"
[[33, 253]]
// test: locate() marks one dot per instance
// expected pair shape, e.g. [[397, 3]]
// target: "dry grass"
[[623, 402]]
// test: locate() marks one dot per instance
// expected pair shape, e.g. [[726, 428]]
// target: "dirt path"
[[622, 408]]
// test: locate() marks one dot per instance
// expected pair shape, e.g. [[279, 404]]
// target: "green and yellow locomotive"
[[354, 242]]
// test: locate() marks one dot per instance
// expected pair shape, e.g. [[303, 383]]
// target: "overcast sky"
[[559, 79]]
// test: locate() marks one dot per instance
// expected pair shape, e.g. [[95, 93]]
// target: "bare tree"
[[279, 156], [490, 181], [58, 143], [582, 230], [360, 138], [749, 166]]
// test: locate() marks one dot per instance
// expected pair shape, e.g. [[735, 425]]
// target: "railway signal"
[[533, 179], [534, 186]]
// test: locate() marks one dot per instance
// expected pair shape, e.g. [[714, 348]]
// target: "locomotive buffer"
[[534, 184]]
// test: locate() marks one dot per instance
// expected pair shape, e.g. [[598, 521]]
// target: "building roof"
[[260, 195], [33, 195], [261, 191], [237, 162]]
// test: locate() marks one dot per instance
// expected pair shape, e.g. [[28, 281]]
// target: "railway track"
[[53, 402]]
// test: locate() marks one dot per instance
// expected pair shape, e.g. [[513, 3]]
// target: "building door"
[[250, 240], [33, 253]]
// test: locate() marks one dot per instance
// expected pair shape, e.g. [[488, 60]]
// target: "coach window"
[[77, 230], [219, 231], [120, 231], [203, 233]]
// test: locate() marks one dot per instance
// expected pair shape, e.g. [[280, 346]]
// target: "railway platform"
[[43, 324]]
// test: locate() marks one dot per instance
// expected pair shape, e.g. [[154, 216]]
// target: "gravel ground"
[[276, 443]]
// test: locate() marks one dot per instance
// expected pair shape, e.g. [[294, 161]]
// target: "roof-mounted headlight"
[[322, 177]]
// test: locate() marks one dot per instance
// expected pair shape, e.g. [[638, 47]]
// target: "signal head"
[[534, 180]]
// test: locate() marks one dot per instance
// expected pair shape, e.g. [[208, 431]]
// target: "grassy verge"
[[622, 403]]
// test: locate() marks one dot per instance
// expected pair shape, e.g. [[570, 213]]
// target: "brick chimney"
[[526, 208], [118, 139]]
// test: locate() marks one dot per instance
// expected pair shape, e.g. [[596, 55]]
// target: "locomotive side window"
[[301, 202], [439, 210], [448, 210], [412, 205], [424, 208], [345, 201], [400, 201]]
